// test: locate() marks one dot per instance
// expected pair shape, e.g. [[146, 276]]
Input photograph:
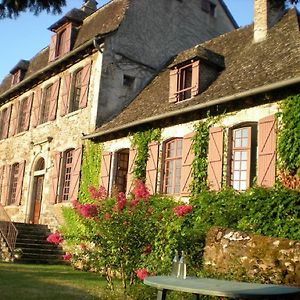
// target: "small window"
[[172, 166], [67, 173], [22, 118], [76, 91], [45, 107], [4, 121], [185, 83], [128, 81], [61, 40], [13, 184], [209, 7], [16, 77]]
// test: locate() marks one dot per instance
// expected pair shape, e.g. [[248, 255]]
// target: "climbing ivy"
[[90, 169], [140, 141], [289, 135]]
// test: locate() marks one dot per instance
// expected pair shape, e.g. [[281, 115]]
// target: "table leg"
[[161, 294], [196, 297]]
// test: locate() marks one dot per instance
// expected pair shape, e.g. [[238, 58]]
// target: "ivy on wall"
[[90, 169], [140, 141]]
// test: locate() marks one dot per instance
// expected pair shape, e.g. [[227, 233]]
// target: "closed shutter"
[[14, 119], [20, 183], [186, 167], [130, 175], [215, 158], [52, 48], [152, 166], [67, 41], [85, 79], [28, 112], [1, 182], [5, 184], [105, 170], [55, 177], [36, 108], [266, 167], [6, 121], [53, 101], [173, 88], [195, 78], [75, 175], [65, 94]]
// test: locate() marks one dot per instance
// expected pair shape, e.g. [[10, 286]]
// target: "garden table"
[[221, 288]]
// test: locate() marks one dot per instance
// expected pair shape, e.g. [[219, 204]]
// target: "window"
[[122, 158], [185, 83], [23, 115], [76, 91], [45, 107], [67, 171], [61, 39], [16, 77], [172, 166], [13, 184], [4, 122], [128, 81], [209, 7]]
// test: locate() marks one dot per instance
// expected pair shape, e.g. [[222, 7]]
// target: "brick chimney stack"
[[89, 7], [266, 15]]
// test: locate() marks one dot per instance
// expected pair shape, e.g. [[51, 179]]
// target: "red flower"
[[107, 216], [55, 238], [67, 256], [182, 210], [141, 273], [88, 210], [149, 211], [121, 202], [147, 249], [140, 191], [75, 203], [99, 194]]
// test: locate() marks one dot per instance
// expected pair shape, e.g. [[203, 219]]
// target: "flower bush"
[[55, 238]]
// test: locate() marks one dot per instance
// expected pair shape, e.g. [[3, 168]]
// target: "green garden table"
[[221, 288]]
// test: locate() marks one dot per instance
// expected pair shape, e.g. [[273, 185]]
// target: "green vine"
[[90, 169], [140, 141], [289, 135]]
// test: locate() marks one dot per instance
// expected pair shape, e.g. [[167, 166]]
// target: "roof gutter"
[[258, 90]]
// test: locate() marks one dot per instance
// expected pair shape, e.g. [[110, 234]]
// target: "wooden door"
[[37, 198], [122, 170]]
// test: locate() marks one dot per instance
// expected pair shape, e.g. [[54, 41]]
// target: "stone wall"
[[247, 256]]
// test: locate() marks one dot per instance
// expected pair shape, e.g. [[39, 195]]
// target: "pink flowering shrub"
[[141, 273], [121, 202], [140, 192], [67, 256], [99, 194], [55, 238], [88, 210], [182, 210]]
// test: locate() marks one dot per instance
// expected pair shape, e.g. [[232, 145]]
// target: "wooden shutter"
[[55, 177], [6, 121], [105, 170], [36, 108], [20, 183], [53, 101], [5, 184], [173, 88], [215, 158], [52, 48], [14, 119], [266, 166], [152, 166], [195, 78], [186, 167], [1, 182], [67, 40], [66, 83], [75, 175], [131, 164], [85, 79], [28, 112]]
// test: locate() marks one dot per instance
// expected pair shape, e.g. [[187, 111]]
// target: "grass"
[[47, 282]]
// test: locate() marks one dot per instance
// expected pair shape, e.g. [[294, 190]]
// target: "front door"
[[37, 198], [122, 170]]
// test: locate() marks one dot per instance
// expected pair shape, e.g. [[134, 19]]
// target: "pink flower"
[[75, 203], [99, 194], [149, 211], [88, 210], [140, 191], [134, 202], [147, 249], [82, 246], [107, 216], [67, 256], [182, 210], [121, 202], [55, 238], [141, 273]]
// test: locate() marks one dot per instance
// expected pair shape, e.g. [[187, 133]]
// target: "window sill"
[[44, 124], [73, 113]]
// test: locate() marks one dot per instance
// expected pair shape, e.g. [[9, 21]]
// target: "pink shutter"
[[195, 78], [266, 166], [75, 175], [14, 119], [186, 167], [131, 164], [173, 88], [105, 170], [52, 48], [20, 183], [53, 100], [85, 79], [36, 108], [66, 82], [152, 166], [1, 181], [6, 121], [55, 177], [28, 112], [215, 158], [5, 184], [67, 41]]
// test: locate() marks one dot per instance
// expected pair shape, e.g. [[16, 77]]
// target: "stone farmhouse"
[[97, 62]]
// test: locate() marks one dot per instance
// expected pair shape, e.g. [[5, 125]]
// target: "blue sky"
[[28, 34]]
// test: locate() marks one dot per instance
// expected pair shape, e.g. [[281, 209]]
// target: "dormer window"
[[209, 7], [184, 81], [18, 71]]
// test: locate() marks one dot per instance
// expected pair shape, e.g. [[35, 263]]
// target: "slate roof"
[[105, 20], [248, 65]]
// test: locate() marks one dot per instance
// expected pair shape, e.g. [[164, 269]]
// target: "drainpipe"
[[222, 100]]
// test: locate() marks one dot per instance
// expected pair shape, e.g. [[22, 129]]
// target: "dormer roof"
[[21, 65]]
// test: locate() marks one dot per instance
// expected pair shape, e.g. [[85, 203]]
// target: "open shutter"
[[1, 181], [173, 88], [266, 166], [53, 101], [105, 170], [20, 183], [28, 112], [66, 83], [85, 79], [195, 78], [55, 177], [36, 108], [186, 167], [14, 119], [151, 168], [215, 158], [52, 48], [5, 184], [75, 175], [67, 41], [131, 163], [6, 121]]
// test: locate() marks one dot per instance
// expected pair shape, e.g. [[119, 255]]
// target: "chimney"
[[266, 15], [89, 7]]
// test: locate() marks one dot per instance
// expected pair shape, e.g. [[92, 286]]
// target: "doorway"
[[122, 158]]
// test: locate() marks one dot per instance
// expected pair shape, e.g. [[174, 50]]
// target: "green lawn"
[[46, 282]]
